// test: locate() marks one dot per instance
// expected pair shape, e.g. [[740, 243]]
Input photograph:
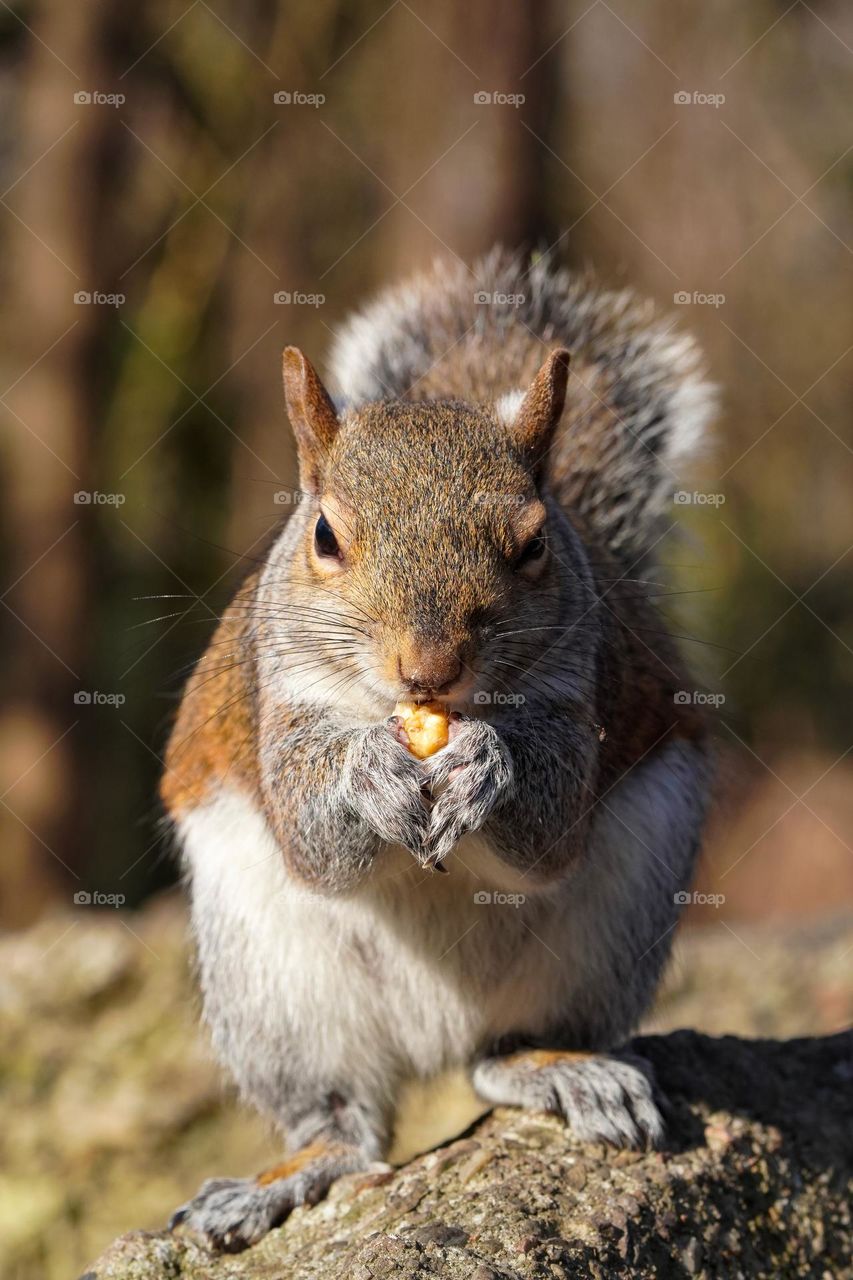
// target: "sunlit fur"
[[334, 959], [432, 558], [639, 403]]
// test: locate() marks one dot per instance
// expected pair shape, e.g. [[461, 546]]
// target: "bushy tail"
[[638, 404]]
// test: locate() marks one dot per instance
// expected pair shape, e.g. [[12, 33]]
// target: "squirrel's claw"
[[434, 863]]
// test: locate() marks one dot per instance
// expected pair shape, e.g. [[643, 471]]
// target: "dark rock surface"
[[112, 1111], [754, 1181]]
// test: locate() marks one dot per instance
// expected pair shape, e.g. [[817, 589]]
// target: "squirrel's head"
[[426, 564]]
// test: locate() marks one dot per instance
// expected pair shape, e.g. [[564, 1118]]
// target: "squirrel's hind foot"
[[603, 1097], [229, 1214]]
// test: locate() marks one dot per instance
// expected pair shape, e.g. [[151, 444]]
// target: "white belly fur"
[[403, 969], [411, 973]]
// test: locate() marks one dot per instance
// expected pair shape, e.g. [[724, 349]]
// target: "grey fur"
[[332, 964], [379, 966], [470, 776], [648, 371], [381, 781], [232, 1213], [603, 1098]]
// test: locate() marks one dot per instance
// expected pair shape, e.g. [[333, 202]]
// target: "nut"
[[426, 725]]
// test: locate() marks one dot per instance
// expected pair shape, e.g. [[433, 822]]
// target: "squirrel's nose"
[[427, 669]]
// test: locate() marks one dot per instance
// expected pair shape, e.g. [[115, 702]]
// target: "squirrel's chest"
[[413, 973], [430, 971]]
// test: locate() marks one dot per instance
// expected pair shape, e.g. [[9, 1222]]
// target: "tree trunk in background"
[[51, 410], [485, 187], [488, 188], [259, 327]]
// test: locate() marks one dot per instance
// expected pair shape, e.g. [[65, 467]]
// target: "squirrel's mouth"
[[458, 696], [377, 686]]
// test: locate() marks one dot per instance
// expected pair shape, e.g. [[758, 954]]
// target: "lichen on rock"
[[112, 1112], [754, 1181]]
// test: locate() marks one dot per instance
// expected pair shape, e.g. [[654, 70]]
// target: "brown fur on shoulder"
[[214, 736]]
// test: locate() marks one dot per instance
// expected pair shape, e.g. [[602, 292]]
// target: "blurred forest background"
[[181, 165], [168, 170]]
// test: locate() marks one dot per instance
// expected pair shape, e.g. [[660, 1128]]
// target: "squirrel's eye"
[[325, 542], [534, 551]]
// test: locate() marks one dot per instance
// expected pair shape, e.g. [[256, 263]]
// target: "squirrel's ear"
[[534, 424], [312, 415]]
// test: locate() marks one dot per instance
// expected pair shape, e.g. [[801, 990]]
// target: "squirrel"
[[478, 528]]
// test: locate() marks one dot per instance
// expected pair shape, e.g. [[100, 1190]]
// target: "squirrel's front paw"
[[382, 783], [475, 771]]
